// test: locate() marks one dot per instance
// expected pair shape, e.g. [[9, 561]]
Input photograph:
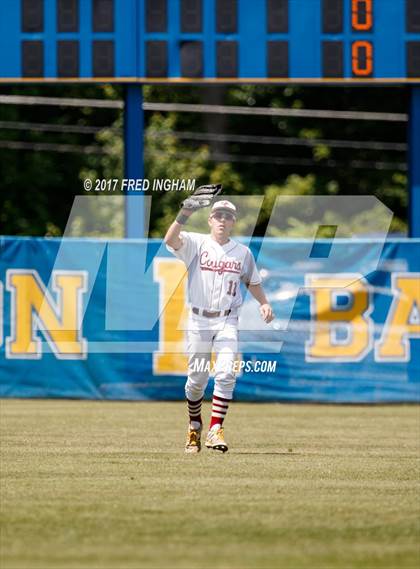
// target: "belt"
[[208, 314]]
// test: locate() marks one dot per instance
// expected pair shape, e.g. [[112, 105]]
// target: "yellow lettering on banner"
[[328, 318], [172, 358], [33, 309], [403, 321]]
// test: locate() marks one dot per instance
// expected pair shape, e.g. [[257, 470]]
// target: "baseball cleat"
[[215, 440], [193, 444]]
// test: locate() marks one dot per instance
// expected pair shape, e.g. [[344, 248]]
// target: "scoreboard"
[[210, 40]]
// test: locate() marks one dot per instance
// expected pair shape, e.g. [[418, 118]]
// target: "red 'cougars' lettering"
[[219, 267]]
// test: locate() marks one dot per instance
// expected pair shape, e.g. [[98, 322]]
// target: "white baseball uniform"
[[214, 275]]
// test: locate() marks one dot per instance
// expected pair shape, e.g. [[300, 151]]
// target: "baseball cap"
[[224, 205]]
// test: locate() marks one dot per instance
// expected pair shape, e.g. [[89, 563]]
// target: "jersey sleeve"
[[250, 274], [188, 249]]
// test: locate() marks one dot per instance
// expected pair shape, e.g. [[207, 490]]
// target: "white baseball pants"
[[204, 335]]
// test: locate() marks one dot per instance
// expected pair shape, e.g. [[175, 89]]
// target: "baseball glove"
[[202, 197]]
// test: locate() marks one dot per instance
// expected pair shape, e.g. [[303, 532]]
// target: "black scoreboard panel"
[[227, 59], [278, 59], [210, 40], [277, 16], [157, 59], [413, 58], [362, 15], [332, 59], [68, 58], [332, 17], [103, 15], [32, 58], [156, 16], [191, 16], [226, 16], [192, 59], [413, 16], [32, 16], [103, 58], [67, 16]]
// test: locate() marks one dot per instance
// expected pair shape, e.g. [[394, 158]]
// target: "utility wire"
[[269, 111], [60, 102], [305, 162], [290, 141], [46, 127], [216, 157], [206, 109], [234, 138], [329, 163], [52, 147]]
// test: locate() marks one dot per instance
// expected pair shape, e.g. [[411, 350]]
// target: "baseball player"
[[216, 266]]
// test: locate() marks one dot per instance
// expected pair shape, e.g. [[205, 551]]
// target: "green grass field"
[[106, 485]]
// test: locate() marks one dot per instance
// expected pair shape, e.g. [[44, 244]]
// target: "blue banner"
[[96, 319]]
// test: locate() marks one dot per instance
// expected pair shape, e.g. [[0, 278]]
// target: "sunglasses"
[[223, 215]]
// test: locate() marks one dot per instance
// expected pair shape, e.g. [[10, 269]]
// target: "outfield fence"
[[98, 319]]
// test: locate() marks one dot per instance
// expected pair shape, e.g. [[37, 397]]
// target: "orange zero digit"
[[361, 15], [362, 58]]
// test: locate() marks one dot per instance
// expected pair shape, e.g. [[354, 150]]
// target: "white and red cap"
[[224, 205]]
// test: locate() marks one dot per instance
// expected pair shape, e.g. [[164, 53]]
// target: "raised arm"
[[172, 237]]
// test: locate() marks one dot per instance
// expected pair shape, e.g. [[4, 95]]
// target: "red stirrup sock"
[[219, 410]]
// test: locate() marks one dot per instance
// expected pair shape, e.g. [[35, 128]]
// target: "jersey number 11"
[[232, 288]]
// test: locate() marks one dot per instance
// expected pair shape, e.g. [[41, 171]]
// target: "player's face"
[[221, 223]]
